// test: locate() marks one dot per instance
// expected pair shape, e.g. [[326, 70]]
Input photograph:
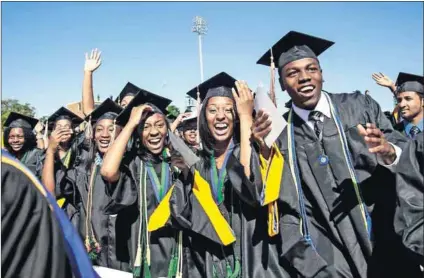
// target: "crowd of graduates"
[[338, 194]]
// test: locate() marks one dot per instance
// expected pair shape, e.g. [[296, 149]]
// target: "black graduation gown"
[[33, 161], [109, 230], [32, 243], [409, 219], [259, 254], [124, 196], [342, 246]]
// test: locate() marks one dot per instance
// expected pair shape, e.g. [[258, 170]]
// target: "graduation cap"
[[221, 79], [407, 82], [143, 97], [294, 46], [18, 120], [189, 123], [108, 109], [129, 90], [63, 114]]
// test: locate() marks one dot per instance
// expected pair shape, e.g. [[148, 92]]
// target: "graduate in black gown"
[[85, 189], [62, 147], [229, 235], [189, 133], [141, 182], [409, 221], [337, 217], [20, 141], [410, 99], [37, 238]]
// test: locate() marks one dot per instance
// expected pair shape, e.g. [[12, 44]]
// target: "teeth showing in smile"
[[221, 126], [104, 142], [307, 88], [154, 141]]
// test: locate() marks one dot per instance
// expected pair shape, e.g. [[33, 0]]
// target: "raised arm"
[[112, 161], [244, 103], [383, 80], [178, 120], [92, 63]]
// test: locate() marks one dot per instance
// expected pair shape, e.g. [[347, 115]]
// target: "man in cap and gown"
[[410, 101], [337, 196]]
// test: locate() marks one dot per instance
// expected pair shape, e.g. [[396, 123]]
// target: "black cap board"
[[294, 46], [64, 113], [407, 82], [18, 120], [129, 90], [221, 79], [141, 98], [108, 109]]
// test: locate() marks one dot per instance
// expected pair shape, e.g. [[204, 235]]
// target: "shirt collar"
[[322, 106], [409, 125]]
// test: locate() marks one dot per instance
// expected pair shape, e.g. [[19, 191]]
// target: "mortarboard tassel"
[[198, 107], [88, 130], [113, 133], [272, 83], [45, 136]]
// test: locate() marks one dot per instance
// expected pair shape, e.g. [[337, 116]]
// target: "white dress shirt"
[[324, 107]]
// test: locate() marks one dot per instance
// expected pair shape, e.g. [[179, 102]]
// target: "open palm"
[[93, 61], [382, 79]]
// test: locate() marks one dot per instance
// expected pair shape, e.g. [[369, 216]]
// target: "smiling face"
[[103, 134], [190, 136], [16, 139], [61, 125], [154, 133], [220, 118], [303, 81], [410, 105]]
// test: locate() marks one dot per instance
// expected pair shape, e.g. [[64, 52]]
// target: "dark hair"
[[29, 137], [206, 137], [138, 146]]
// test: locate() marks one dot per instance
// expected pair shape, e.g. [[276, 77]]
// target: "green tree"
[[173, 110], [13, 105]]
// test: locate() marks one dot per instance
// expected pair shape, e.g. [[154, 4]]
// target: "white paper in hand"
[[262, 101]]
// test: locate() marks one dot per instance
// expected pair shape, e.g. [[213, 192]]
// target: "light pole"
[[200, 27]]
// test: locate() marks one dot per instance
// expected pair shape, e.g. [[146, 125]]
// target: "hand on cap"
[[377, 143], [137, 114], [244, 99], [93, 61], [261, 127], [182, 116]]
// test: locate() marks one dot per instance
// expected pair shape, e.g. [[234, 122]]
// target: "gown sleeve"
[[31, 238], [409, 218]]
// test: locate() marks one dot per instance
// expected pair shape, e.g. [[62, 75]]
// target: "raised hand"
[[92, 61], [382, 79], [377, 143], [244, 99]]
